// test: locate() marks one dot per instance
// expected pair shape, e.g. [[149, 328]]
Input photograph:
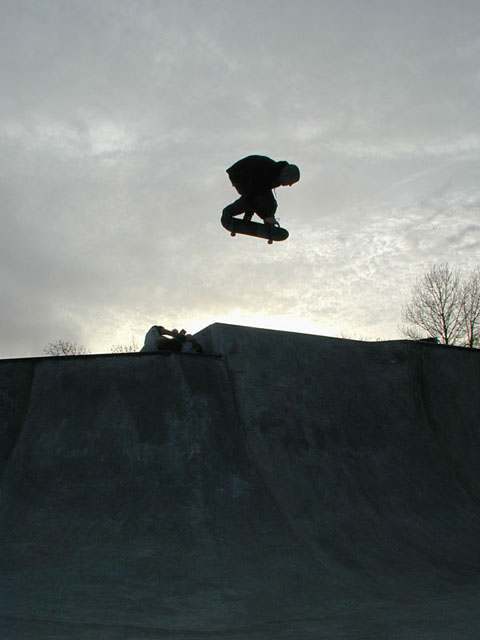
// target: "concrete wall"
[[297, 487]]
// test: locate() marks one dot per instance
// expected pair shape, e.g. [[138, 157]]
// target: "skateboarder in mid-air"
[[254, 177]]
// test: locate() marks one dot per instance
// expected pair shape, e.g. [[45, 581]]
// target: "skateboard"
[[260, 230]]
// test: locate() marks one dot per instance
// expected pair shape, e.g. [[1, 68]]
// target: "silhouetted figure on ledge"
[[156, 340], [254, 177]]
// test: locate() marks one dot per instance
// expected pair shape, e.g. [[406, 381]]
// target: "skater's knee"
[[230, 210], [226, 215], [235, 208], [226, 219]]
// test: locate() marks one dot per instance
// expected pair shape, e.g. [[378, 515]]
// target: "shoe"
[[271, 221]]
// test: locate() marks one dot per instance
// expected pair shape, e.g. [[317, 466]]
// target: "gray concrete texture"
[[297, 487]]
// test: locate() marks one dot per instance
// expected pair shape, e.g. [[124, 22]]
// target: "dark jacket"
[[254, 175]]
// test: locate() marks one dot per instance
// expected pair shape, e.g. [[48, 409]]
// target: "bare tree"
[[471, 309], [130, 348], [64, 348], [436, 305]]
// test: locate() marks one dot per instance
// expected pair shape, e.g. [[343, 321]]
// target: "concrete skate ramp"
[[297, 487]]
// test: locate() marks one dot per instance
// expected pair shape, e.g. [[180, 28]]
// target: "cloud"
[[117, 122]]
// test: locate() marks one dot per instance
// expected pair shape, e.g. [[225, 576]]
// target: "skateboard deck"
[[257, 229]]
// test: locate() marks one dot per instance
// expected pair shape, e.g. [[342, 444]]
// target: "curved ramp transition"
[[296, 487]]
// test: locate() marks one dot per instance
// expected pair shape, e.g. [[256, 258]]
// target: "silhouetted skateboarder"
[[254, 177]]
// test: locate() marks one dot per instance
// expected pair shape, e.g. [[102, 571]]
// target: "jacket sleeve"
[[255, 174]]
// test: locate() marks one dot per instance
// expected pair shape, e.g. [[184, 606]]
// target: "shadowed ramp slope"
[[298, 487]]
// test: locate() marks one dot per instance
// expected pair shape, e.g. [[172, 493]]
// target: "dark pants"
[[264, 205]]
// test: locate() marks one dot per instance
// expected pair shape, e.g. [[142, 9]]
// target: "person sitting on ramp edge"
[[254, 177], [156, 340]]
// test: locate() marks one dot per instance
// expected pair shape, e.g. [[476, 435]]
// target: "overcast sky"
[[119, 118]]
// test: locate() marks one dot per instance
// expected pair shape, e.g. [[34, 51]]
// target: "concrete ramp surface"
[[295, 487]]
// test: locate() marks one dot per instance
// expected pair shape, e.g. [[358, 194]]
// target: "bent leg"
[[241, 205], [265, 205]]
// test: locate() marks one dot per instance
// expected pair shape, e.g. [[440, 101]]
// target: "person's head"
[[289, 175]]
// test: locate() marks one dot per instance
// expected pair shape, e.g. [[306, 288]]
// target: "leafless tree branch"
[[436, 305]]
